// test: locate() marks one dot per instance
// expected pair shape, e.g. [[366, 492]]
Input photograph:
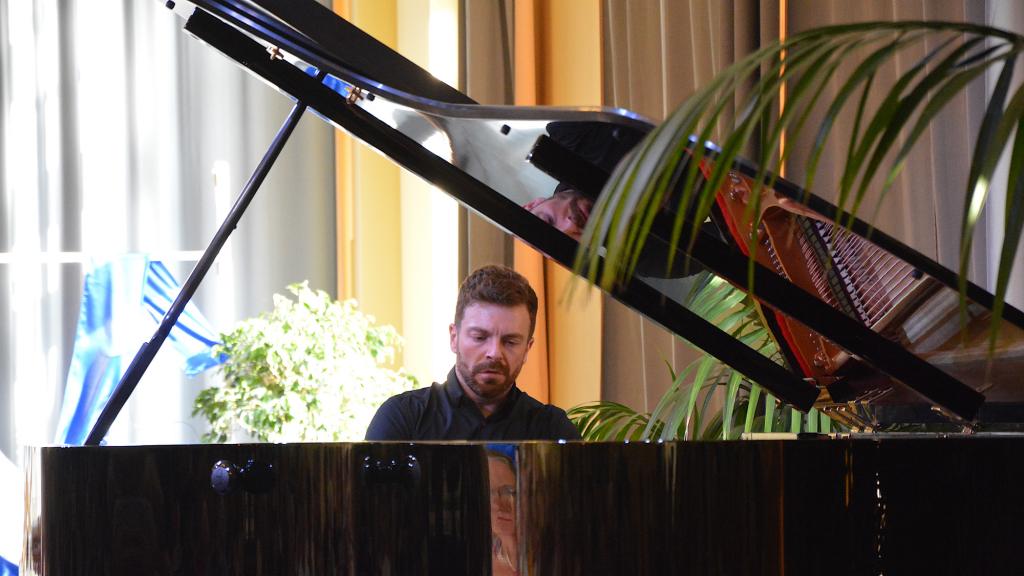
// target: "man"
[[495, 316], [567, 210]]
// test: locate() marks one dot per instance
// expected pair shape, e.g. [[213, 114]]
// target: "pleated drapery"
[[122, 134], [658, 52]]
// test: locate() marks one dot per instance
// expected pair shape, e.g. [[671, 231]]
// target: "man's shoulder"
[[532, 405], [412, 398], [399, 416], [551, 422]]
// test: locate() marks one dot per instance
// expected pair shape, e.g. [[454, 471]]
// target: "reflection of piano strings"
[[886, 294], [897, 278], [852, 275]]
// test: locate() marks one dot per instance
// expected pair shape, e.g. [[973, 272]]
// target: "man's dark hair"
[[497, 285]]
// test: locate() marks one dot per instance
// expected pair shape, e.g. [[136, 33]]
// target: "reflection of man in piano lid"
[[495, 316], [504, 541], [567, 210]]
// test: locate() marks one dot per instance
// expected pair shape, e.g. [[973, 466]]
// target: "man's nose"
[[493, 348]]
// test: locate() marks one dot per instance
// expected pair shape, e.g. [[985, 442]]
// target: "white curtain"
[[120, 133]]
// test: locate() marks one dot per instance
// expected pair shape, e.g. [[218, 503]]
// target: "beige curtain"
[[659, 51], [925, 207], [656, 53], [487, 32]]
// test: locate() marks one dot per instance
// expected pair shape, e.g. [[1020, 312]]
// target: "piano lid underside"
[[476, 154]]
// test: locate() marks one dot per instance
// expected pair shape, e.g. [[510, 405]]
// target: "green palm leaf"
[[879, 143], [657, 175], [600, 421], [684, 411]]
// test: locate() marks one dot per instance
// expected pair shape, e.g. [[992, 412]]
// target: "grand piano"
[[881, 362]]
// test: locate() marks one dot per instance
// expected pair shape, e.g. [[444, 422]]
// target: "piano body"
[[847, 504]]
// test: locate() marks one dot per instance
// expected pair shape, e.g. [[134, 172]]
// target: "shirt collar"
[[453, 388]]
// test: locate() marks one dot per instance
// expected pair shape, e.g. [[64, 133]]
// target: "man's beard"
[[469, 377]]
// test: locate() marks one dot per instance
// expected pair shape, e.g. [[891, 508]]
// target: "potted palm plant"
[[877, 147]]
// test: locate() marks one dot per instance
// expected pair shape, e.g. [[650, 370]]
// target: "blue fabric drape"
[[11, 517], [122, 303]]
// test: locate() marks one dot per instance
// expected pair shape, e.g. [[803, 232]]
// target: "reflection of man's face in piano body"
[[503, 496], [490, 345], [504, 545], [566, 210]]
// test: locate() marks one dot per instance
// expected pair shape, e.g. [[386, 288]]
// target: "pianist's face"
[[567, 211], [490, 347]]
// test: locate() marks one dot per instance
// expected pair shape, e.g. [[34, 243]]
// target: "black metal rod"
[[148, 351]]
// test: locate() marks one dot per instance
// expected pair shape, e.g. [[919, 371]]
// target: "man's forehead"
[[488, 316]]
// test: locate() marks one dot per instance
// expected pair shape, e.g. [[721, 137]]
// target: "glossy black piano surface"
[[835, 506], [889, 504]]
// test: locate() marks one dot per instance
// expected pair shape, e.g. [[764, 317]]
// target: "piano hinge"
[[967, 427], [355, 94], [275, 52]]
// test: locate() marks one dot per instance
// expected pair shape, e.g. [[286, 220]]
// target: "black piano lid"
[[484, 199], [310, 33]]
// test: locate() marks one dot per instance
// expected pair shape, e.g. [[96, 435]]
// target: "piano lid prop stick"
[[149, 349]]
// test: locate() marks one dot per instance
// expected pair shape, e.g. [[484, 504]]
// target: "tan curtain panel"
[[925, 207], [657, 53], [486, 76]]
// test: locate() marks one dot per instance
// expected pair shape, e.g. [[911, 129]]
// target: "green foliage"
[[687, 411], [612, 422], [313, 369], [876, 148]]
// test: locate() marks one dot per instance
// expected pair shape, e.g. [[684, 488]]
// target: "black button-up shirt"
[[443, 412]]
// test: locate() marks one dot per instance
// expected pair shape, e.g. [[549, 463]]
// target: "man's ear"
[[453, 335]]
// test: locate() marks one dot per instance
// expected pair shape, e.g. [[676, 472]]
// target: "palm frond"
[[601, 421], [663, 170], [685, 411]]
